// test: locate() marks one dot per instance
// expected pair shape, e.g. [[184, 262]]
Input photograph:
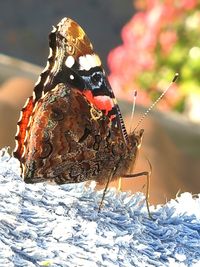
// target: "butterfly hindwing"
[[67, 139]]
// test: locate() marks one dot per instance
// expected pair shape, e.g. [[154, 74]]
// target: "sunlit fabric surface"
[[49, 225]]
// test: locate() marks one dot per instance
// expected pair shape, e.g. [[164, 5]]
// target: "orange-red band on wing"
[[100, 102], [22, 123]]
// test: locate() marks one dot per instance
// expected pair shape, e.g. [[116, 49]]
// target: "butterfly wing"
[[73, 63], [69, 140]]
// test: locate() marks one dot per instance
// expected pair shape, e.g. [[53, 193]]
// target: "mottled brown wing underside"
[[70, 140]]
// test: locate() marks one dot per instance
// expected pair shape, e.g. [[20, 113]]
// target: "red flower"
[[189, 4], [167, 40]]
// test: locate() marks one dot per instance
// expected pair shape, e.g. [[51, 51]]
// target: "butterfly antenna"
[[133, 109], [157, 100]]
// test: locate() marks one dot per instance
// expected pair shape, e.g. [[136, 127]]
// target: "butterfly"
[[71, 129]]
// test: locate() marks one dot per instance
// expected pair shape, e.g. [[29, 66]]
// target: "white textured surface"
[[48, 225]]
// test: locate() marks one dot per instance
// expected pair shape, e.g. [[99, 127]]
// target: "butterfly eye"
[[96, 79]]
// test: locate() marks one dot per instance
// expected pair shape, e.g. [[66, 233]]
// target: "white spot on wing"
[[69, 61], [50, 53], [54, 29], [34, 95], [16, 146], [46, 68], [20, 116], [38, 81], [26, 103], [46, 82], [18, 129], [89, 61]]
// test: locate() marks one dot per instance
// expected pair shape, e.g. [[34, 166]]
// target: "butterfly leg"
[[105, 189], [147, 174]]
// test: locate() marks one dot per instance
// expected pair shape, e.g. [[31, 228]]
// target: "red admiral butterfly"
[[71, 129]]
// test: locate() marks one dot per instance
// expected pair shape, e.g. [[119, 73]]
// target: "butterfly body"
[[71, 129]]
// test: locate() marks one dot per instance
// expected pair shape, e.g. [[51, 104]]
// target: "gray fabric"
[[49, 225]]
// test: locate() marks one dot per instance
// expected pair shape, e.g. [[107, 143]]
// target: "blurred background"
[[142, 44]]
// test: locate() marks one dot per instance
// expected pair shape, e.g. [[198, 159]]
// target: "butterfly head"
[[135, 139]]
